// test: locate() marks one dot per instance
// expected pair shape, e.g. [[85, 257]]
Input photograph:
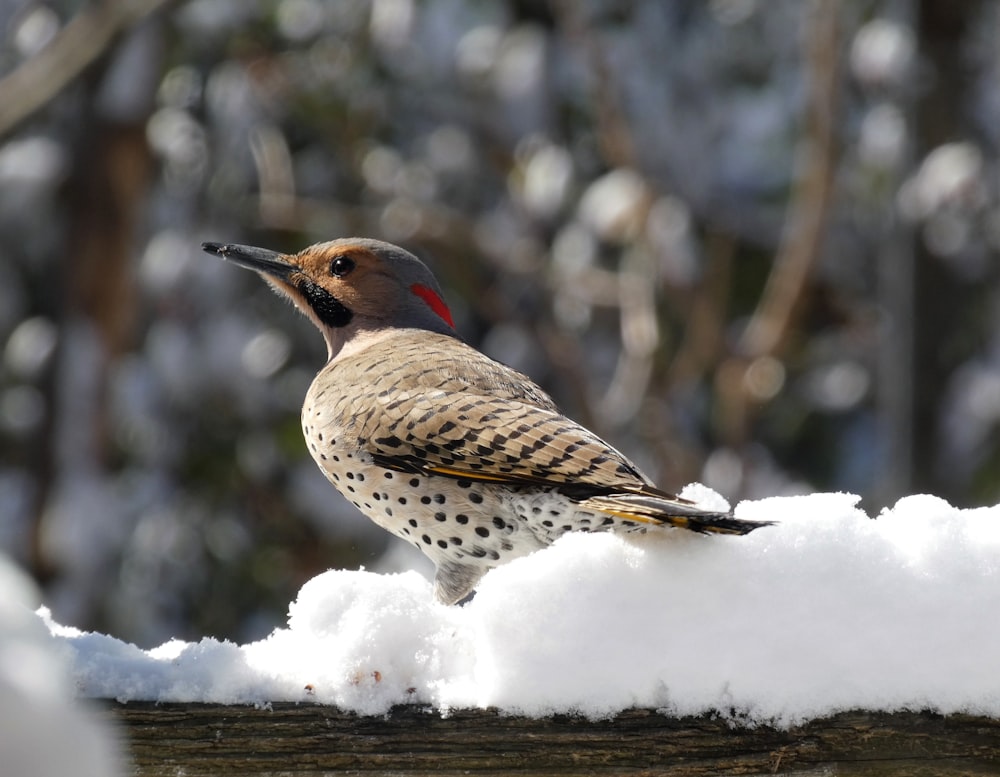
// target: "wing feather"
[[464, 416], [496, 440]]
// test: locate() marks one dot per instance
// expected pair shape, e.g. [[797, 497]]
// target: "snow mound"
[[826, 611], [37, 707]]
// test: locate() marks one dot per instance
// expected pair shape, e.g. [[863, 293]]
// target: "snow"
[[37, 707], [826, 611]]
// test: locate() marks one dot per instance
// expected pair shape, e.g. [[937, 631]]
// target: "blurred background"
[[751, 243]]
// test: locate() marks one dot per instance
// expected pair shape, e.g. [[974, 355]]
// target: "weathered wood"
[[304, 739]]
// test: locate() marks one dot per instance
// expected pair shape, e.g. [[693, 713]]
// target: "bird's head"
[[350, 287]]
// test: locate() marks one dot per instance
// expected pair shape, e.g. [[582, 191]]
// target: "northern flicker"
[[464, 457]]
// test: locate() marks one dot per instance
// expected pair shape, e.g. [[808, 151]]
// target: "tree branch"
[[810, 204], [88, 35]]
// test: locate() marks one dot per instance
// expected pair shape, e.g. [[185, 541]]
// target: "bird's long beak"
[[262, 260]]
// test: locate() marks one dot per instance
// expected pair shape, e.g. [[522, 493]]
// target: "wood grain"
[[302, 739]]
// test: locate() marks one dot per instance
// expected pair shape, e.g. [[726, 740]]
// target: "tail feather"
[[651, 508]]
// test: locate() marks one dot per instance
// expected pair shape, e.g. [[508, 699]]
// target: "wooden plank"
[[304, 739]]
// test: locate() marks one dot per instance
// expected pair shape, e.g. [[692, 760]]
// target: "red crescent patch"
[[428, 295]]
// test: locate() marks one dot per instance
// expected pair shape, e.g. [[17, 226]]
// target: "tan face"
[[353, 275], [350, 281]]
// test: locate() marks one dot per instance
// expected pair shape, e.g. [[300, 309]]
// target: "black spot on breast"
[[482, 531], [440, 517], [442, 544], [426, 539], [475, 498], [462, 518], [499, 522]]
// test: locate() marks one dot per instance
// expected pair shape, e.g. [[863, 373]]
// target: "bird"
[[462, 456]]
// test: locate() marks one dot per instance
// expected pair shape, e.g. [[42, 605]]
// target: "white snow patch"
[[826, 611], [43, 731]]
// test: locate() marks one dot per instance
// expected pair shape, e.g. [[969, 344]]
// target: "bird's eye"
[[341, 266]]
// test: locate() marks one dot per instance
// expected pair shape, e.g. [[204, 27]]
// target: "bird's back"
[[420, 400]]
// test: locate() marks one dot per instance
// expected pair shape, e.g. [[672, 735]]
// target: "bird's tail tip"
[[714, 523], [666, 510]]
